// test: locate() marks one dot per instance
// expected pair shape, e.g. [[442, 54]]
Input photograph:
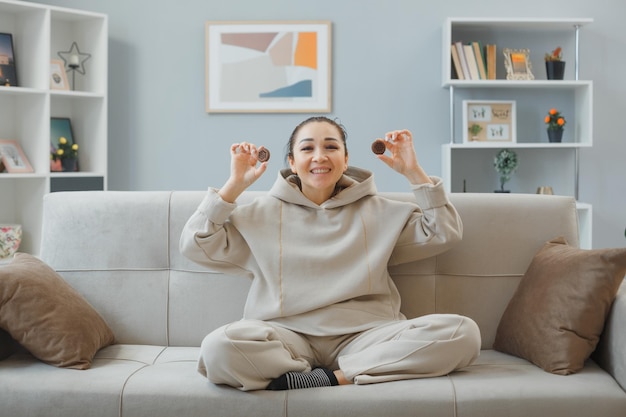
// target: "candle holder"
[[74, 61]]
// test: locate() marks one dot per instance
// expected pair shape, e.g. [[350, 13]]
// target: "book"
[[456, 63], [461, 53], [471, 62], [480, 60], [490, 56]]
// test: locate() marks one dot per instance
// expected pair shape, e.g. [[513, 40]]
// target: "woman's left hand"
[[403, 158]]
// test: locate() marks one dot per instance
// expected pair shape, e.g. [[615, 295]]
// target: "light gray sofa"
[[120, 250]]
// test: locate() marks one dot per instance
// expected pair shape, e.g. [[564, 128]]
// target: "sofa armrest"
[[611, 351]]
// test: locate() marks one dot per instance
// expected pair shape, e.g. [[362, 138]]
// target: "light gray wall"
[[386, 75]]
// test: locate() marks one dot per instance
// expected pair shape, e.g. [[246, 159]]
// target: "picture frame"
[[489, 121], [517, 64], [272, 67], [12, 157], [60, 127], [8, 70], [58, 76]]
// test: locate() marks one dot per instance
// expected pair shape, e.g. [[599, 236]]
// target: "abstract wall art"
[[268, 67]]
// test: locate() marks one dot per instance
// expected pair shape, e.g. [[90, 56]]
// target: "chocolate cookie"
[[378, 147], [263, 154]]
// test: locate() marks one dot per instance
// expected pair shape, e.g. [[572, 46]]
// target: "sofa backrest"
[[120, 250]]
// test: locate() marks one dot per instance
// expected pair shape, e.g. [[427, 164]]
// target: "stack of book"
[[473, 62]]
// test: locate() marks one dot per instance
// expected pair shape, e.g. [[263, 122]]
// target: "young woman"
[[322, 309]]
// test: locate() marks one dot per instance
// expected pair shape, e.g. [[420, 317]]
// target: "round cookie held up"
[[263, 154], [378, 147]]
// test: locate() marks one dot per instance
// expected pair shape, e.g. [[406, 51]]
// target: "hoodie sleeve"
[[209, 239], [433, 227]]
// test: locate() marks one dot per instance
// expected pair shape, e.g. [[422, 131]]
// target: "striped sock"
[[318, 377]]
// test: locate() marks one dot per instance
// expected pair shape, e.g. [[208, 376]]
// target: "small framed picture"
[[8, 72], [58, 77], [12, 157], [488, 121], [517, 64]]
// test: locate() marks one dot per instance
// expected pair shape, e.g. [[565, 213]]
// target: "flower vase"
[[68, 164], [555, 136], [555, 70]]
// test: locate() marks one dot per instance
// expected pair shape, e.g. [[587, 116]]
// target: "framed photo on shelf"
[[12, 157], [517, 64], [60, 128], [58, 76], [489, 121], [8, 71], [270, 67]]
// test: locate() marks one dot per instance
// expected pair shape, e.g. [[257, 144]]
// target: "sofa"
[[119, 252]]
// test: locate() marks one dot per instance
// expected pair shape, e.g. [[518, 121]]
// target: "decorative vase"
[[555, 135], [68, 164], [10, 238], [555, 70]]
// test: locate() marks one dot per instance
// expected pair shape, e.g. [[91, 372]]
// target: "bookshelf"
[[469, 166], [39, 32]]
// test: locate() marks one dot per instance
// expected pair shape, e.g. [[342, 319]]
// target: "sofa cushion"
[[47, 316], [557, 313]]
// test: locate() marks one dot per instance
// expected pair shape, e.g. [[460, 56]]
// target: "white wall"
[[386, 75]]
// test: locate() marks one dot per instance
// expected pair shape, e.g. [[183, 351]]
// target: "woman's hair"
[[323, 119]]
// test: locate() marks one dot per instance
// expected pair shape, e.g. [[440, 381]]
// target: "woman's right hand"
[[243, 170]]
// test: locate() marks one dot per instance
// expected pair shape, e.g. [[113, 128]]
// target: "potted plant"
[[474, 130], [67, 153], [555, 66], [556, 123], [505, 164]]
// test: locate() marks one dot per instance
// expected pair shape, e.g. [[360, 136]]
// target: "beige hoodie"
[[321, 269]]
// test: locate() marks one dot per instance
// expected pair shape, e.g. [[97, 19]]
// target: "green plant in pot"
[[505, 163], [474, 130], [555, 66], [67, 153], [556, 123]]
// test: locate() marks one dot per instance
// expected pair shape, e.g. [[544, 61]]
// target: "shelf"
[[540, 84], [518, 145]]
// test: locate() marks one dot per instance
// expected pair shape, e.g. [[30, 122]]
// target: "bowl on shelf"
[[10, 239]]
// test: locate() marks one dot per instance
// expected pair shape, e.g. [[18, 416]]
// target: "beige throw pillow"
[[557, 313], [43, 313]]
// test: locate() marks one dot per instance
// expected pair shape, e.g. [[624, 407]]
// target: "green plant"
[[64, 150], [555, 120], [505, 164], [555, 55], [475, 129]]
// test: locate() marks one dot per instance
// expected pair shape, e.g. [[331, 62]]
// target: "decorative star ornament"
[[74, 59]]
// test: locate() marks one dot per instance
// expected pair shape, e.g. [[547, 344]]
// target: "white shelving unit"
[[39, 33], [469, 166]]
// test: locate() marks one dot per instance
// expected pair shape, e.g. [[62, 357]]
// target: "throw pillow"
[[43, 313], [557, 313]]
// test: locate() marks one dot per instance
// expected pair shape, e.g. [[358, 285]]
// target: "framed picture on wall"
[[488, 121], [8, 72], [268, 67], [12, 157], [58, 76]]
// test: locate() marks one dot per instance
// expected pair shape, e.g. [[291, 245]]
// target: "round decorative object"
[[378, 147], [10, 239], [555, 136], [263, 154]]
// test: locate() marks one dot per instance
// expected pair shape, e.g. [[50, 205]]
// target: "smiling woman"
[[320, 227]]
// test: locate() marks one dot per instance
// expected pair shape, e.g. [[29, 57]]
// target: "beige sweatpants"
[[248, 354]]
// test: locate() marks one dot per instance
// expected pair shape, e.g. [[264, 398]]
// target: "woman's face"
[[319, 159]]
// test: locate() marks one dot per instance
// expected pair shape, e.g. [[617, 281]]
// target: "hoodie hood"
[[355, 184]]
